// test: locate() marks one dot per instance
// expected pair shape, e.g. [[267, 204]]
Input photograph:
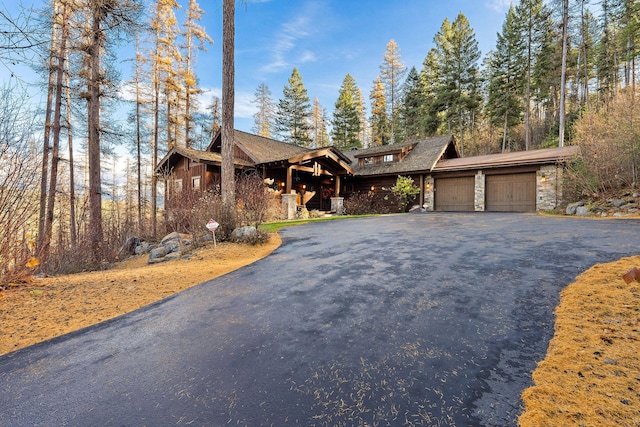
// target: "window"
[[368, 160], [177, 185], [387, 158], [195, 183]]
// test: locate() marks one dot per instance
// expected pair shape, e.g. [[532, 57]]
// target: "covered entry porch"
[[310, 180]]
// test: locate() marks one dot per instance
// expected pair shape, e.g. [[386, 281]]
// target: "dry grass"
[[591, 373], [46, 308]]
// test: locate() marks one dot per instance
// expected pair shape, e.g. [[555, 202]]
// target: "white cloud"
[[286, 40], [243, 108], [499, 6]]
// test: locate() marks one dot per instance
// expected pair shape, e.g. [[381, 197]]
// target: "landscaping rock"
[[172, 256], [172, 246], [143, 248], [171, 236], [573, 207], [157, 253], [416, 208], [582, 211], [618, 202], [243, 233]]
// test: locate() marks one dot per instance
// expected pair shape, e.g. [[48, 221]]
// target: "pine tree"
[[365, 135], [319, 119], [193, 33], [392, 73], [532, 16], [430, 86], [346, 120], [265, 116], [293, 112], [412, 106], [507, 73], [379, 119], [458, 54]]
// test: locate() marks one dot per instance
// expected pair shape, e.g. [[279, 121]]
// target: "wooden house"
[[523, 181]]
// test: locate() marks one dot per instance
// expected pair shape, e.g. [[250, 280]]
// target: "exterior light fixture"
[[373, 188]]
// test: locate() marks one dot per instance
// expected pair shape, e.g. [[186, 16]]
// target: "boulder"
[[573, 207], [159, 252], [171, 236], [243, 233], [618, 202], [172, 246], [142, 248], [582, 211], [173, 256]]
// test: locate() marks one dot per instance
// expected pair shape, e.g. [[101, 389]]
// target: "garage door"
[[454, 194], [511, 193]]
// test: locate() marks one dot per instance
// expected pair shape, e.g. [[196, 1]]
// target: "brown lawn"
[[53, 306]]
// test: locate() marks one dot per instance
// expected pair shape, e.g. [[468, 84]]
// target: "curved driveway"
[[426, 319]]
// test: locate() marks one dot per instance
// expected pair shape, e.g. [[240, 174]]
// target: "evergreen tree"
[[379, 119], [458, 54], [430, 83], [319, 119], [532, 16], [346, 120], [392, 72], [507, 71], [265, 116], [362, 118], [412, 106], [292, 121], [195, 38]]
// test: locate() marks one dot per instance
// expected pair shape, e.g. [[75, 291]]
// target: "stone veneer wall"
[[548, 188], [478, 201], [429, 196]]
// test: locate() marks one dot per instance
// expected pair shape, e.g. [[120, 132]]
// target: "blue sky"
[[324, 39]]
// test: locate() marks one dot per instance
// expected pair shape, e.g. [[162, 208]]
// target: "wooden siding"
[[455, 194], [511, 193]]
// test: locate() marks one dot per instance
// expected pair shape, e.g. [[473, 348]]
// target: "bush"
[[405, 191], [609, 142], [359, 204]]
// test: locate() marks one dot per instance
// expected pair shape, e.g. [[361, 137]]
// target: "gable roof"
[[258, 148], [175, 153], [518, 158], [422, 157]]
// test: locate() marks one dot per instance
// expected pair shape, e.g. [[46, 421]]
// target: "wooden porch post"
[[421, 190], [337, 188], [289, 180]]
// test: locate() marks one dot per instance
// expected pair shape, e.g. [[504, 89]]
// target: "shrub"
[[405, 191], [359, 204]]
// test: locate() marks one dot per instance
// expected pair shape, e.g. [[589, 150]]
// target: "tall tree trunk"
[[138, 138], [42, 250], [154, 149], [563, 76], [72, 186], [57, 116], [505, 129], [93, 143], [228, 76], [527, 87]]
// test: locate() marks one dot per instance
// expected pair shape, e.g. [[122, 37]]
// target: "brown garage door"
[[511, 193], [454, 194]]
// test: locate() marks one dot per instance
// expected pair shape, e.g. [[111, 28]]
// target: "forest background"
[[97, 91]]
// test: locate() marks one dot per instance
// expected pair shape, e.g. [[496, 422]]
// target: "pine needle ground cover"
[[591, 374]]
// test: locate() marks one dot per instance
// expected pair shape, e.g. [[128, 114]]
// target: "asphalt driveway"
[[425, 319]]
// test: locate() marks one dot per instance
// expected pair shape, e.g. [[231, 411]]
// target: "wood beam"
[[289, 180]]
